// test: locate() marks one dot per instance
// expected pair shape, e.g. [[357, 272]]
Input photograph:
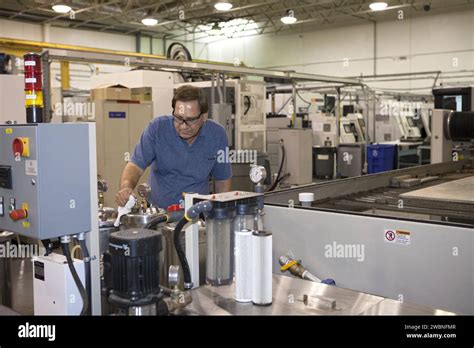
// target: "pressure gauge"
[[258, 174]]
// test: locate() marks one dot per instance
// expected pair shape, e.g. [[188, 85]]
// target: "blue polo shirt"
[[176, 166]]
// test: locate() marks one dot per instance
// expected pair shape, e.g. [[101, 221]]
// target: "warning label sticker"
[[31, 167], [397, 237]]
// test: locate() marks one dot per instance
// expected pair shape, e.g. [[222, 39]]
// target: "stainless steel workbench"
[[288, 299], [392, 307]]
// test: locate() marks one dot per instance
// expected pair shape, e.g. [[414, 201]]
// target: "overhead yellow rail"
[[71, 53], [25, 46]]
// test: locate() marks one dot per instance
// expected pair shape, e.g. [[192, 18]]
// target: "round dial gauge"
[[258, 174]]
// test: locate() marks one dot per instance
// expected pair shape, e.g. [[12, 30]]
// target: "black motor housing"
[[132, 266]]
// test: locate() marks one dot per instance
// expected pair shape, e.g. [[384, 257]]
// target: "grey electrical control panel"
[[45, 179]]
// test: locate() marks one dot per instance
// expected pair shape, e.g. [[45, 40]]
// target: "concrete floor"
[[22, 286]]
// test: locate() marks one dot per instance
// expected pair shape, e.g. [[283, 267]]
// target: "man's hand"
[[123, 195], [130, 176]]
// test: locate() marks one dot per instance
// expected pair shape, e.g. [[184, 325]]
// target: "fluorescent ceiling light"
[[378, 6], [289, 18], [60, 8], [223, 6], [150, 21]]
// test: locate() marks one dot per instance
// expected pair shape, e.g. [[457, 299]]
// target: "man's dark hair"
[[189, 93]]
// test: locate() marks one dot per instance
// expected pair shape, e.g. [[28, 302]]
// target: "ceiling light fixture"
[[149, 21], [378, 6], [61, 8], [289, 18], [223, 6]]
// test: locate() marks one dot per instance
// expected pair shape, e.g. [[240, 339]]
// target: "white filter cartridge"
[[262, 268], [243, 265]]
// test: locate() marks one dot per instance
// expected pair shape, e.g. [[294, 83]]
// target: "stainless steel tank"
[[143, 212], [137, 220], [170, 257]]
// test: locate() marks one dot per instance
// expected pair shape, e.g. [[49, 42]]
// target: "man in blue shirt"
[[183, 151]]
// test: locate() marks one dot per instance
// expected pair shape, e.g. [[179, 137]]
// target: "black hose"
[[280, 169], [87, 268], [77, 280], [181, 253], [48, 245], [247, 104], [155, 222], [283, 177]]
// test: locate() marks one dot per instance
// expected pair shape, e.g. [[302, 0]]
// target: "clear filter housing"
[[243, 228], [244, 222], [220, 251]]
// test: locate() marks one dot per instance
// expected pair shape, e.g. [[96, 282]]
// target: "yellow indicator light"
[[34, 98]]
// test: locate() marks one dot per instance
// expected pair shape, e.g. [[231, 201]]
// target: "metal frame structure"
[[59, 52], [181, 18], [71, 53]]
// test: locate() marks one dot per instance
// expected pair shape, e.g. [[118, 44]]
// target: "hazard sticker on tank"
[[397, 237]]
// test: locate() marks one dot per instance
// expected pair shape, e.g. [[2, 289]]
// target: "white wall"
[[35, 32], [81, 74], [410, 45], [158, 46]]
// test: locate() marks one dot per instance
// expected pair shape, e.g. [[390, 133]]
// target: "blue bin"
[[380, 158]]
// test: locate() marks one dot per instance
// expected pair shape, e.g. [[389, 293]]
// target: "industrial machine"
[[274, 124], [219, 233], [458, 100], [52, 296], [352, 129], [408, 129], [451, 129], [231, 222], [400, 121], [371, 231], [350, 145], [311, 296], [47, 190], [132, 275], [296, 155], [324, 129], [406, 125], [454, 98]]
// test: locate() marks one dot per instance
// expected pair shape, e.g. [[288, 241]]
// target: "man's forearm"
[[223, 185], [130, 176]]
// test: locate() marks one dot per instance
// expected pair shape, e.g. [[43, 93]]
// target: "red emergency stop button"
[[18, 214]]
